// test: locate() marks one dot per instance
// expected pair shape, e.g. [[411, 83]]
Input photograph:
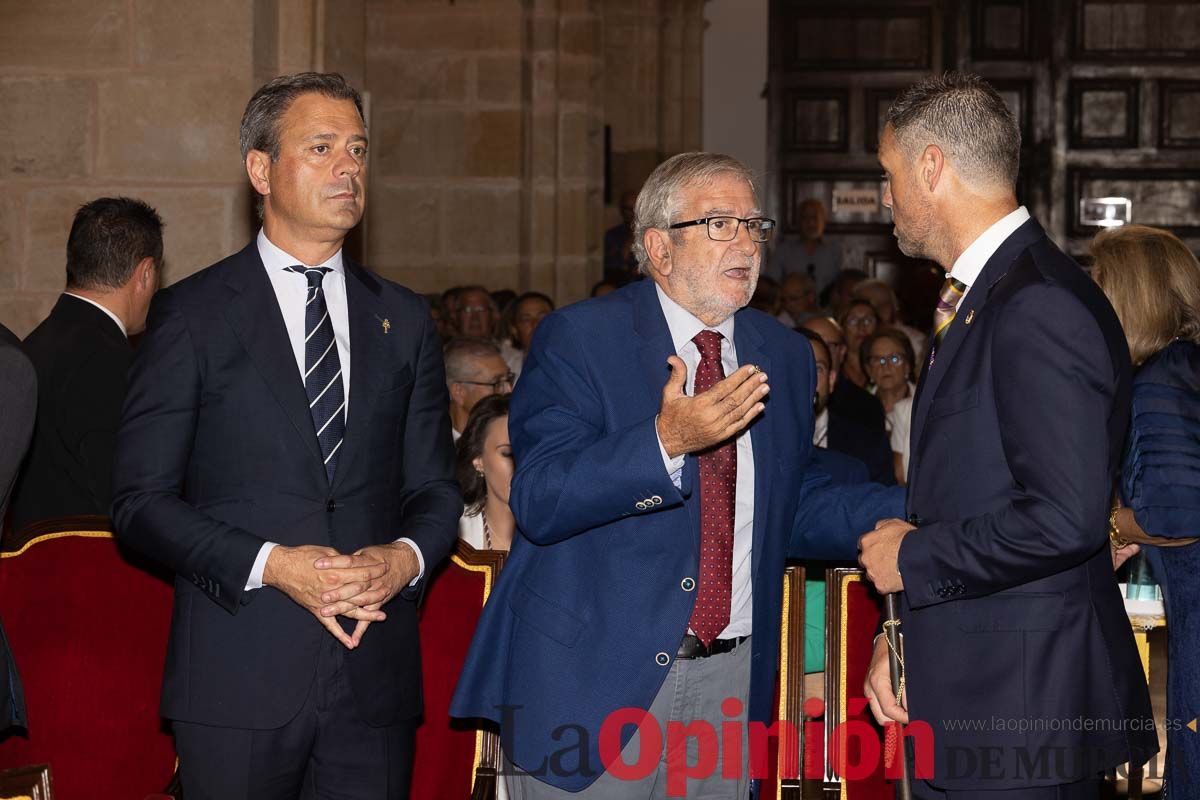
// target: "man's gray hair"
[[460, 354], [963, 115], [658, 201], [260, 122]]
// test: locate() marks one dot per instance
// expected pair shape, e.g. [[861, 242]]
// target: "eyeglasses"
[[725, 229], [497, 385], [860, 322], [895, 359], [474, 310]]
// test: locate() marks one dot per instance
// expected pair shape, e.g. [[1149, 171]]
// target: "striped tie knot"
[[952, 291]]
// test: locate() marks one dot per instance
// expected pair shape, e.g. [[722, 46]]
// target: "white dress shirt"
[[683, 326], [821, 429], [110, 314], [291, 292], [968, 266]]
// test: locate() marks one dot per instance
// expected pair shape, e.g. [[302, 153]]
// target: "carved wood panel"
[[1104, 113], [1179, 114]]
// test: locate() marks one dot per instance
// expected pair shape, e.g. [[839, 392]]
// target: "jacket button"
[[662, 659], [656, 500], [687, 584], [330, 506], [640, 505]]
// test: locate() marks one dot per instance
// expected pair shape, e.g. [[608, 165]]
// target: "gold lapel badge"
[[970, 316], [387, 326]]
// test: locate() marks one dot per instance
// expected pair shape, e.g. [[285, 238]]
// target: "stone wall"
[[487, 123], [105, 97]]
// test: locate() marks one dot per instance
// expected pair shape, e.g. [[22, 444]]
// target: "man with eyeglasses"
[[475, 314], [474, 370], [656, 490]]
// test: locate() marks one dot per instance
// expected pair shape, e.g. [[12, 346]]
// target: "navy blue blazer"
[[1015, 635], [594, 599], [217, 454], [1160, 477]]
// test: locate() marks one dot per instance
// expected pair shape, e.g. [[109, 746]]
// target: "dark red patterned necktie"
[[718, 489]]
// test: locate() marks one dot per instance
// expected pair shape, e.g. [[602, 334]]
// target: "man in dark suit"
[[656, 488], [847, 400], [842, 434], [81, 353], [285, 450], [1017, 649], [18, 408]]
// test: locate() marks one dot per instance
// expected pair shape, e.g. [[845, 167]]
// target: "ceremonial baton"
[[891, 632]]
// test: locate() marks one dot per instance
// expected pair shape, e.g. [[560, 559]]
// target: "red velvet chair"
[[453, 760], [88, 626]]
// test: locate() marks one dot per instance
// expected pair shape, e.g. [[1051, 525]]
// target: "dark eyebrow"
[[328, 137]]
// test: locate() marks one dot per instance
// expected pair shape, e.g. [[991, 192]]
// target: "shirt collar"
[[684, 325], [110, 314], [274, 258], [821, 428], [971, 262]]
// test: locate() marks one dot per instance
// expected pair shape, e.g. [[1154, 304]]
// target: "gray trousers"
[[693, 691]]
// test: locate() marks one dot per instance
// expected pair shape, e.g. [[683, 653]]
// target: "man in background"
[[800, 296], [811, 253], [475, 313], [620, 263], [474, 370], [841, 434], [847, 399], [883, 299], [81, 353]]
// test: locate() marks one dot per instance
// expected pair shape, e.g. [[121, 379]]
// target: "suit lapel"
[[254, 315], [748, 341], [368, 354], [931, 376]]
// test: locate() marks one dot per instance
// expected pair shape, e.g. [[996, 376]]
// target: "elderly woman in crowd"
[[485, 470], [859, 321], [1153, 282], [887, 356]]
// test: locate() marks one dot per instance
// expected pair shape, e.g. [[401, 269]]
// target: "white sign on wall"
[[855, 201]]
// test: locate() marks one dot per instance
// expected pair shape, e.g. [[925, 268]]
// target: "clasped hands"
[[331, 584]]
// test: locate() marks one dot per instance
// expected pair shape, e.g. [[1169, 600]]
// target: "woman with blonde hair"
[[1153, 283]]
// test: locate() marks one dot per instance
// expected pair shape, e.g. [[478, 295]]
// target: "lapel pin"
[[387, 326], [970, 316]]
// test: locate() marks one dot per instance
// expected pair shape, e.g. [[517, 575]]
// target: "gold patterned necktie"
[[947, 306]]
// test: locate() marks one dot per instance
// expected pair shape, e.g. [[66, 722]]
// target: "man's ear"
[[833, 376], [145, 274], [456, 393], [258, 167], [658, 248], [931, 166]]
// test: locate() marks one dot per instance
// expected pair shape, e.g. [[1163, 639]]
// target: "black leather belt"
[[691, 647]]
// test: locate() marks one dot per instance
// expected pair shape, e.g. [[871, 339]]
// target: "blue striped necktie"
[[322, 370]]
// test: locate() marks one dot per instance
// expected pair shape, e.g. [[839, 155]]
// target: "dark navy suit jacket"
[[595, 598], [217, 454], [1015, 635]]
